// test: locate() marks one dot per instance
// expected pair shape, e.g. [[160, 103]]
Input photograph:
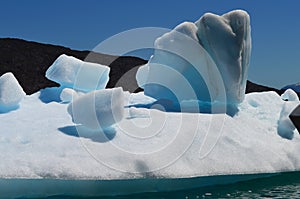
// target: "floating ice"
[[207, 60], [285, 125], [290, 95], [11, 93], [74, 73], [98, 109]]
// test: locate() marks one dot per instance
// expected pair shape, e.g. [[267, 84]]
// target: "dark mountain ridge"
[[28, 61], [295, 87]]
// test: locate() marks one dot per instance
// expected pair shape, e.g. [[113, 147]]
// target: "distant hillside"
[[252, 87], [28, 61], [295, 87]]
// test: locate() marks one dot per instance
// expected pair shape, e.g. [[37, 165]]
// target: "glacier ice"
[[290, 95], [11, 93], [228, 41], [74, 73], [285, 125], [207, 60], [98, 109]]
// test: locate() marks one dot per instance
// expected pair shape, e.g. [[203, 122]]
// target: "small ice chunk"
[[290, 95], [67, 95], [11, 93], [98, 109], [140, 99], [139, 112], [285, 126], [74, 73]]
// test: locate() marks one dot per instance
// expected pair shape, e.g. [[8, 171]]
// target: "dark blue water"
[[282, 186]]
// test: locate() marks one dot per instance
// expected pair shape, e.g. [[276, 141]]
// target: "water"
[[282, 186]]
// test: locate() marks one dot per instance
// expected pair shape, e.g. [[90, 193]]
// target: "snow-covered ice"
[[11, 93], [43, 142], [74, 73], [98, 109], [51, 147], [207, 60], [290, 95]]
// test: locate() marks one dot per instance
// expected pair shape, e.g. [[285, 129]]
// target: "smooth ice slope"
[[98, 109], [207, 60], [11, 93], [74, 73]]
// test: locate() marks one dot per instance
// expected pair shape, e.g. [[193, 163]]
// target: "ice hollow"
[[74, 73], [207, 60], [285, 125]]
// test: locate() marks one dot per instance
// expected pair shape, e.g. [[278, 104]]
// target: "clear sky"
[[83, 24]]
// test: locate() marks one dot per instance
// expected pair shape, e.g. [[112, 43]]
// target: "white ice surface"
[[39, 141], [74, 73], [11, 93]]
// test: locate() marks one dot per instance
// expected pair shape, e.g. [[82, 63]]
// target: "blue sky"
[[83, 24]]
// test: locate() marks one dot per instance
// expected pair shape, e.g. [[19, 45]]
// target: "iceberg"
[[207, 60], [73, 73], [98, 109], [121, 143], [11, 93]]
